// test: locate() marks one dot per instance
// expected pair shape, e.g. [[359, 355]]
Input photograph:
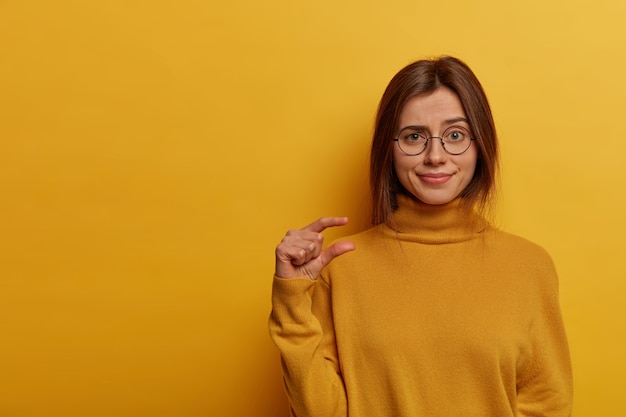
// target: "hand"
[[300, 253]]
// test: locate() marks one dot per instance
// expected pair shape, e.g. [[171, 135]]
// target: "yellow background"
[[153, 153]]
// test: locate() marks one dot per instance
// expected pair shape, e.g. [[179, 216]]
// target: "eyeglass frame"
[[443, 145]]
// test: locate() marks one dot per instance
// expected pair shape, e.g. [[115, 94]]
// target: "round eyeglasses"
[[413, 140]]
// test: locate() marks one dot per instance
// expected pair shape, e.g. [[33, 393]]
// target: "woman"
[[433, 311]]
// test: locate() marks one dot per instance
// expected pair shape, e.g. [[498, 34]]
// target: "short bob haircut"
[[422, 77]]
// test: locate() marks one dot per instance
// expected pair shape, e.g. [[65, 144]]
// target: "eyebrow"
[[456, 120], [447, 122]]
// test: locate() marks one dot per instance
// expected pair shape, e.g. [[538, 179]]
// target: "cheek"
[[400, 166], [395, 161], [402, 162], [403, 167], [470, 166], [473, 163]]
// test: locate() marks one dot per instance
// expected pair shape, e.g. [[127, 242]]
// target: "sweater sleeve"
[[545, 378], [302, 328]]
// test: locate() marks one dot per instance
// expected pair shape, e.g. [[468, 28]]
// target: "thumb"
[[335, 250]]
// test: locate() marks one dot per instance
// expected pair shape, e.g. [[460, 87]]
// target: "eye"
[[456, 134], [413, 136]]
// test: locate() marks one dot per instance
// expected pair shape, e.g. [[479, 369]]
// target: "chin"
[[435, 200]]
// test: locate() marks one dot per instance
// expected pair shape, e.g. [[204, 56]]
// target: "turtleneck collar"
[[433, 224]]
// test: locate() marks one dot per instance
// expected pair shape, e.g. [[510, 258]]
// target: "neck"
[[429, 223]]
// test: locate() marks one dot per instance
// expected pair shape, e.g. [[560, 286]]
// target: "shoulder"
[[522, 254], [367, 236], [518, 243], [369, 245]]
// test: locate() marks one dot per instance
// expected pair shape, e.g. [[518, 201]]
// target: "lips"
[[435, 178]]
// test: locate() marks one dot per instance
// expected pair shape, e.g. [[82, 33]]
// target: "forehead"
[[432, 109]]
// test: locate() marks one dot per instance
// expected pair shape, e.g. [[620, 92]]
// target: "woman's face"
[[434, 176]]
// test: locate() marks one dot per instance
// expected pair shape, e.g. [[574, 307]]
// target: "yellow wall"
[[153, 153]]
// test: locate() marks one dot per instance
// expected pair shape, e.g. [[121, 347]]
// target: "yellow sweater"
[[441, 315]]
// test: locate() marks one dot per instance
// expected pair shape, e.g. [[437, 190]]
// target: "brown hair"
[[418, 78]]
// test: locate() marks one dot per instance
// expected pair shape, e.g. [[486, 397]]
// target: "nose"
[[434, 154]]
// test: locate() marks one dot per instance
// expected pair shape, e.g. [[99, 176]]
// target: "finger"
[[335, 250], [325, 222], [300, 252], [302, 234], [292, 254], [312, 242]]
